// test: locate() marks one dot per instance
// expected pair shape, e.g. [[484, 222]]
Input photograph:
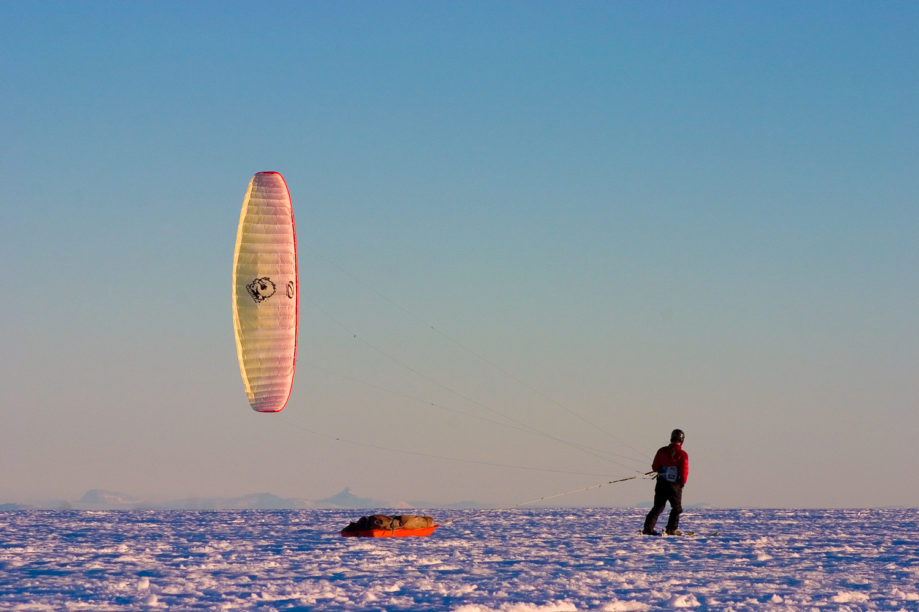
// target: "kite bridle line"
[[425, 323], [498, 416], [402, 451], [553, 496]]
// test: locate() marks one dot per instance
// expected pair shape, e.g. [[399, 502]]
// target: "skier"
[[672, 466]]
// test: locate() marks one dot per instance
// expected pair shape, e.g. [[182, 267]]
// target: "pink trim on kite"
[[293, 228]]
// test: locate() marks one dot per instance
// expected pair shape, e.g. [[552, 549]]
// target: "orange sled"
[[388, 533]]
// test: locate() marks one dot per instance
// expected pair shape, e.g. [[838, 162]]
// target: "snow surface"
[[510, 560]]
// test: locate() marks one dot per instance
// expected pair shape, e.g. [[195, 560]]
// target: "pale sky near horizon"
[[533, 238]]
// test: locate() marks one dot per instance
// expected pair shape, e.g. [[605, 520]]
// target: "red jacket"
[[672, 456]]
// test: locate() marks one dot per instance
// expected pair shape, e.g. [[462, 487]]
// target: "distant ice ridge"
[[499, 561]]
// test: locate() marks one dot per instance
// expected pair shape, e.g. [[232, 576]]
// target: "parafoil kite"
[[266, 292]]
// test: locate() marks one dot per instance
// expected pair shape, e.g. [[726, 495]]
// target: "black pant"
[[666, 492]]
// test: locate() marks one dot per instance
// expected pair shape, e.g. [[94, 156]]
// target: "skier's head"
[[677, 436]]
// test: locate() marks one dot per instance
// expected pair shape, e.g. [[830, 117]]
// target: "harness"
[[670, 473]]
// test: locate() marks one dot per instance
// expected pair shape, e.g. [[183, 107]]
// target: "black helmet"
[[677, 436]]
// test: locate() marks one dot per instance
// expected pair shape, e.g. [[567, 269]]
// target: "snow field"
[[538, 560]]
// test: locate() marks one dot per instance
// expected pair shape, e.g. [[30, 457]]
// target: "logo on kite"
[[290, 289], [261, 289]]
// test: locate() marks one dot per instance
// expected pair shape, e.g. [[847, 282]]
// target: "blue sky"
[[534, 237]]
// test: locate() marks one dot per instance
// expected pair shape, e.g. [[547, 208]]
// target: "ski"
[[689, 534]]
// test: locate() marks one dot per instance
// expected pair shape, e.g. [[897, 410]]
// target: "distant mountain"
[[13, 507], [266, 501], [98, 498], [346, 499], [254, 501], [460, 505], [101, 499]]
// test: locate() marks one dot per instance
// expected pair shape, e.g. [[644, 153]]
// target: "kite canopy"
[[266, 292]]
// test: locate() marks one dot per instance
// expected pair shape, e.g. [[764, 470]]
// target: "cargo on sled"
[[383, 526]]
